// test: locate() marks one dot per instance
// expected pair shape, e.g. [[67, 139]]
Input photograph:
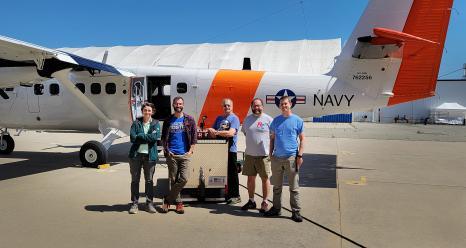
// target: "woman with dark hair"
[[143, 154]]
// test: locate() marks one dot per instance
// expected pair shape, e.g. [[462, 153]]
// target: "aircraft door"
[[7, 97], [137, 96], [33, 94]]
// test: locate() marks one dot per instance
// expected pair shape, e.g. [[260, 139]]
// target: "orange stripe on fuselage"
[[417, 78], [239, 86]]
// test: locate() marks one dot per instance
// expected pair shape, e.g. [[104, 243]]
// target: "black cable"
[[239, 27], [450, 73], [317, 224]]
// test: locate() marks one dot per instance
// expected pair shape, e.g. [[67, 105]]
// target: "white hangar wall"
[[447, 91]]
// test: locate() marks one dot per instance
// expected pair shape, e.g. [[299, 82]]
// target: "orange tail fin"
[[417, 77]]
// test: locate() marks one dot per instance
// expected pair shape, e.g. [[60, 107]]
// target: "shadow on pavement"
[[221, 208], [318, 171], [115, 207], [38, 162]]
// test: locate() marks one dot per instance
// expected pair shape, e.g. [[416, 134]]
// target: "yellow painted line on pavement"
[[362, 181]]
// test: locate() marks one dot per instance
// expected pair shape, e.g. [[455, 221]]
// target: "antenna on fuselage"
[[247, 64]]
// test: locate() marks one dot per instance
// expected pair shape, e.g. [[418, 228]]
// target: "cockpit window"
[[54, 89], [38, 89]]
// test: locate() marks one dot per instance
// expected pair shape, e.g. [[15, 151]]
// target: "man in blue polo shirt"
[[287, 157]]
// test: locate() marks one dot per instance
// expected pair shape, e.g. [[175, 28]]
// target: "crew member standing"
[[179, 136], [287, 157], [227, 126], [143, 155], [256, 129]]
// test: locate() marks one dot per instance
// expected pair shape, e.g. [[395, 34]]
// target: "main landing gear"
[[7, 144], [94, 153]]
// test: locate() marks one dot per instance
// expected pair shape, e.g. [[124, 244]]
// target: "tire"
[[7, 146], [93, 154]]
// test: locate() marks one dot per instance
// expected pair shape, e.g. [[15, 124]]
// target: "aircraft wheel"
[[7, 145], [93, 154]]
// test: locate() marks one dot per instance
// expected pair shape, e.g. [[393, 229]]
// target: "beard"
[[257, 111], [178, 109]]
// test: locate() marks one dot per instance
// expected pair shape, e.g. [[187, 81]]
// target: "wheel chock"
[[103, 166]]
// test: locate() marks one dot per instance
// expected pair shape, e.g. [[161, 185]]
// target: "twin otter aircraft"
[[393, 56]]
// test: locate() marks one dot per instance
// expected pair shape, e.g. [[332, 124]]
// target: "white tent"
[[449, 113], [301, 56]]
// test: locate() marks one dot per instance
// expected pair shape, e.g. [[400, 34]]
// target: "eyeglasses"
[[226, 105]]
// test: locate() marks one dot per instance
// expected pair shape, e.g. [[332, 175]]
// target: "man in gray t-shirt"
[[256, 128]]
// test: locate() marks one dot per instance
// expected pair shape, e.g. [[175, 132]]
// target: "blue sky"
[[54, 24]]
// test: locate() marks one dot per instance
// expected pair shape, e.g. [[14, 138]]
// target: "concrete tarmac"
[[362, 185]]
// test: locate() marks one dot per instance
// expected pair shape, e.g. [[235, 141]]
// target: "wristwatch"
[[299, 156]]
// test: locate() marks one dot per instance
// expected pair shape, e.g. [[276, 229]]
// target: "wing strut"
[[63, 77]]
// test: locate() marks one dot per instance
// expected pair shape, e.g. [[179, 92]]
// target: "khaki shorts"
[[254, 165]]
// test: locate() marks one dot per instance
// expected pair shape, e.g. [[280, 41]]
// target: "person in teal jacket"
[[143, 154]]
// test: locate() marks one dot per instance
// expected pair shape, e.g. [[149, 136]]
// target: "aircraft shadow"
[[318, 171], [36, 162], [45, 161]]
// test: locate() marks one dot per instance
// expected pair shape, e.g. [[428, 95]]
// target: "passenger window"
[[54, 89], [181, 88], [38, 89], [95, 88], [110, 88], [81, 87]]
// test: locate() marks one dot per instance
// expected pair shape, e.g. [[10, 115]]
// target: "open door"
[[137, 96], [158, 93]]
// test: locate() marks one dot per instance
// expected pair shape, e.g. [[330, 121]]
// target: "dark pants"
[[141, 161], [233, 180]]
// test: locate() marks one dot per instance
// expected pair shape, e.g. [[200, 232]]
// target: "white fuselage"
[[316, 95]]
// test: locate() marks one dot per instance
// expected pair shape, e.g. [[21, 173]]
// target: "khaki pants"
[[279, 167], [178, 166]]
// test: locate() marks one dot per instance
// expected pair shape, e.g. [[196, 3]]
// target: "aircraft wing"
[[22, 62]]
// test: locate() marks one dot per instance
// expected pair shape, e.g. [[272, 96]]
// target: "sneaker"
[[249, 205], [133, 209], [234, 200], [296, 216], [273, 212], [264, 207], [151, 208], [179, 208], [165, 207]]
